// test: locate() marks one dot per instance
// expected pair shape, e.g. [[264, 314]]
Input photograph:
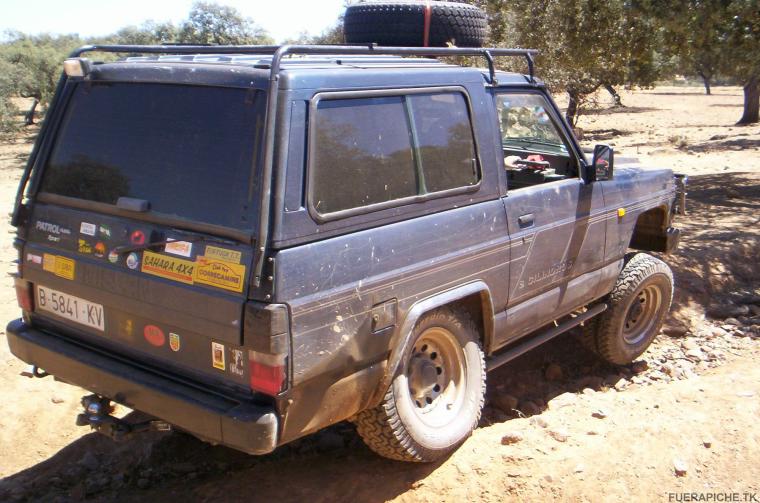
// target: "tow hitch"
[[97, 414]]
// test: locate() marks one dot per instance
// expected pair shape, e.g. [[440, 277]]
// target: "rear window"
[[381, 149], [188, 150]]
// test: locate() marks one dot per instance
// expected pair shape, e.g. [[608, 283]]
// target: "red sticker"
[[137, 238], [154, 335]]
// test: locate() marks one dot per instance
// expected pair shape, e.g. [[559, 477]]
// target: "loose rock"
[[504, 402], [529, 408], [695, 354], [511, 438], [675, 330], [680, 467], [639, 366], [562, 400], [599, 414], [553, 372], [558, 435]]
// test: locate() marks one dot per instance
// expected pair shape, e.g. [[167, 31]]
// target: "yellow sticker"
[[48, 262], [219, 273], [60, 266], [223, 254], [84, 247], [168, 267]]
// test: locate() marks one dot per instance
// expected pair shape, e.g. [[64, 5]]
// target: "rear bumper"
[[246, 427]]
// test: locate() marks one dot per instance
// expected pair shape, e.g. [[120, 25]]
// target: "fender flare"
[[402, 338]]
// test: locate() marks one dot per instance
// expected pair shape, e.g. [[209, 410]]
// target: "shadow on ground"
[[718, 255]]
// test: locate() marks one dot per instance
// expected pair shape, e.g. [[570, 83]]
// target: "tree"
[[742, 55], [693, 32], [150, 32], [583, 44], [37, 61], [209, 23]]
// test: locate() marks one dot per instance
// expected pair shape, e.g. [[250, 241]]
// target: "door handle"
[[525, 220]]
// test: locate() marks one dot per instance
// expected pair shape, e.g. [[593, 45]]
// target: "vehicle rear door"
[[138, 241]]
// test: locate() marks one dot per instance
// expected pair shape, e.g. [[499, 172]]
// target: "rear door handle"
[[525, 220]]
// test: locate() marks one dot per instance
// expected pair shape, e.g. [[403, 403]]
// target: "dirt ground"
[[558, 425]]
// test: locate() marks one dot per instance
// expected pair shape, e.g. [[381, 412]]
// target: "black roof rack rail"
[[278, 53]]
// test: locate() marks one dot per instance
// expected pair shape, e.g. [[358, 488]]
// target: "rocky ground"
[[558, 424]]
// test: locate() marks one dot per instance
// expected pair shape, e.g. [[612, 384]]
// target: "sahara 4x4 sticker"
[[60, 266], [168, 267], [220, 274]]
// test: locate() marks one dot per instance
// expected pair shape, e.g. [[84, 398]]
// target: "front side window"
[[374, 150], [534, 149]]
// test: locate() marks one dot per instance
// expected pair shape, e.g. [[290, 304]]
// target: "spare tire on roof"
[[406, 23]]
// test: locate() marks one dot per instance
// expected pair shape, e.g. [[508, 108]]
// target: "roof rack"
[[278, 53]]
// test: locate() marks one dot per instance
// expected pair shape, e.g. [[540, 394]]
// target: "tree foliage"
[[583, 44], [30, 65], [210, 23]]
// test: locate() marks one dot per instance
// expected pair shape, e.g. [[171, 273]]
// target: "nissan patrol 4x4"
[[252, 243]]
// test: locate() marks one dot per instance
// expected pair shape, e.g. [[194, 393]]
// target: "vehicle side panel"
[[331, 287], [635, 190]]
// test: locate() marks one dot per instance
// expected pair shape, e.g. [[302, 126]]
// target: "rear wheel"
[[435, 400], [638, 305]]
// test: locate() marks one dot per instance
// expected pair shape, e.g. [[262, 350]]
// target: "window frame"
[[370, 208], [557, 122]]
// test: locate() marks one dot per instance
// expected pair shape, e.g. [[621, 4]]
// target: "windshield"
[[188, 150]]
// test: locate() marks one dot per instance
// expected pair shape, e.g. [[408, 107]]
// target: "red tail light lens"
[[268, 372], [24, 295]]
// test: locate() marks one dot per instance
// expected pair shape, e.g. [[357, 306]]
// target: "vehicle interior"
[[534, 150]]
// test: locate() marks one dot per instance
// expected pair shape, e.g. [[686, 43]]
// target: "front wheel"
[[637, 308], [435, 399]]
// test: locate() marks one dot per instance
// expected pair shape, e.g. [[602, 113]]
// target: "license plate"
[[70, 307]]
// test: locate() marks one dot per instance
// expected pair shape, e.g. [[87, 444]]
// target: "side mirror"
[[602, 162]]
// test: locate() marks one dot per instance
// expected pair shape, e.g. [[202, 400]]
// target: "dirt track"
[[579, 429]]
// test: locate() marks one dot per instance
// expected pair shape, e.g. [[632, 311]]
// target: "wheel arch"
[[474, 298], [650, 233]]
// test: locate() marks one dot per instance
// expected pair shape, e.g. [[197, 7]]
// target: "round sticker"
[[137, 238], [154, 335], [113, 257], [133, 260]]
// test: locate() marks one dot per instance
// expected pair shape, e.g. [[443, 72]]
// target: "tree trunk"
[[29, 115], [572, 107], [615, 96], [751, 101], [706, 80]]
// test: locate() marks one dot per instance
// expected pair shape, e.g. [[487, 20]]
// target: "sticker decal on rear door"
[[220, 274], [217, 355], [60, 266], [168, 267]]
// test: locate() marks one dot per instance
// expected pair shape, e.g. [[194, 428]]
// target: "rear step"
[[541, 337]]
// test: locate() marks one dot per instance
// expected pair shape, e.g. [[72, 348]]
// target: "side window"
[[533, 147], [444, 136], [368, 151]]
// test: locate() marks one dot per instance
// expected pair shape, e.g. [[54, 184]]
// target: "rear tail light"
[[268, 372], [24, 295], [266, 333]]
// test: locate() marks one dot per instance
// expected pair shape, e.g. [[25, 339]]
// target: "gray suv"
[[252, 243]]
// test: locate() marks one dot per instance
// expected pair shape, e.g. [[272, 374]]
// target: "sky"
[[281, 18]]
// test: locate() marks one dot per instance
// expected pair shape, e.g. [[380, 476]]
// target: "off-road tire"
[[394, 429], [402, 23], [611, 335]]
